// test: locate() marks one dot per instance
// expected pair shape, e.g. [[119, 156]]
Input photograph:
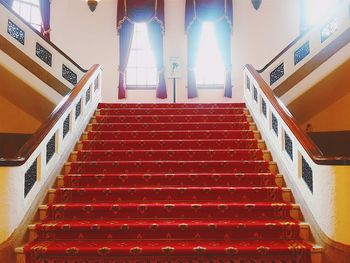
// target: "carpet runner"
[[169, 183]]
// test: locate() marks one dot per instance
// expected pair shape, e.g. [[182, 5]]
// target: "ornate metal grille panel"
[[288, 145], [248, 83], [328, 30], [307, 174], [16, 32], [88, 95], [274, 124], [30, 178], [78, 109], [50, 148], [43, 54], [264, 107], [97, 84], [301, 52], [255, 93], [69, 75], [277, 73], [66, 126]]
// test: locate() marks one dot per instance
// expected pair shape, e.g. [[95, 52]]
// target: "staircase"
[[170, 183]]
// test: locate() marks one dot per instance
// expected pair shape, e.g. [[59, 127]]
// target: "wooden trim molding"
[[12, 51], [29, 147], [332, 48], [43, 38], [310, 147]]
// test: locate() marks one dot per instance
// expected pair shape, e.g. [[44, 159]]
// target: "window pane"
[[317, 9], [36, 16], [209, 68], [29, 10], [131, 77], [25, 12]]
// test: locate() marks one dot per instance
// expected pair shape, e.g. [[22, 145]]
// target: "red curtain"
[[221, 13], [135, 11], [45, 16]]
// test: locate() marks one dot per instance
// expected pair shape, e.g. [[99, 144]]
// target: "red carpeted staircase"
[[170, 183]]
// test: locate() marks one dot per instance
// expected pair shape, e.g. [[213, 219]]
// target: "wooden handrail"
[[309, 146], [43, 38], [32, 144]]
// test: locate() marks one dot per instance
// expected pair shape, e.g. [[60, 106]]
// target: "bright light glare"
[[141, 69], [209, 68], [317, 10]]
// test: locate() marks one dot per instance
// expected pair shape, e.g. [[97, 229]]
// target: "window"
[[209, 70], [316, 10], [29, 10], [141, 69]]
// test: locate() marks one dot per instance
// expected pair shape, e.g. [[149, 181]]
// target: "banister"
[[30, 146], [309, 146], [43, 38]]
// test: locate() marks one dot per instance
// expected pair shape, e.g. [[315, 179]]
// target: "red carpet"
[[169, 183]]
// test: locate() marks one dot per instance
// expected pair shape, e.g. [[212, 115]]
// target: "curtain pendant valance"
[[208, 10], [136, 11]]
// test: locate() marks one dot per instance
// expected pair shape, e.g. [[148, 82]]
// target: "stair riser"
[[207, 106], [175, 135], [151, 211], [164, 180], [170, 167], [135, 194], [169, 155], [169, 119], [171, 126], [173, 145]]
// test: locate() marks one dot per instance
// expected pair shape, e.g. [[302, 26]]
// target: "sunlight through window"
[[141, 69], [317, 10], [29, 10], [209, 66]]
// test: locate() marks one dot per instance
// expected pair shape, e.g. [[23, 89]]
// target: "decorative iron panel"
[[307, 174], [88, 95], [274, 124], [301, 52], [50, 148], [288, 145], [328, 30], [264, 107], [96, 84], [16, 32], [277, 73], [255, 93], [78, 109], [43, 54], [69, 75], [248, 83], [66, 126], [30, 178]]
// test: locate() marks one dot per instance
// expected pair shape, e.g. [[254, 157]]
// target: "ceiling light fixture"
[[92, 4], [256, 4]]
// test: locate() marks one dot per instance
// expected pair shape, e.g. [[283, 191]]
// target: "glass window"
[[141, 69], [29, 10], [209, 68], [316, 10]]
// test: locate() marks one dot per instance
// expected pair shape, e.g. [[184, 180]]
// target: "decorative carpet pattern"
[[168, 183]]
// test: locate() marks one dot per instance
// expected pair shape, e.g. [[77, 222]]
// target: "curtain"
[[135, 11], [45, 16], [156, 40], [9, 2], [221, 13], [125, 35]]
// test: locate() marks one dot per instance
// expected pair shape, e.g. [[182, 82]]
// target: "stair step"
[[163, 135], [167, 155], [172, 179], [172, 194], [170, 166], [208, 144], [170, 105], [194, 210]]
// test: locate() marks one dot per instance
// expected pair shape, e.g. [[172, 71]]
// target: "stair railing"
[[41, 158], [28, 40], [301, 51], [321, 184]]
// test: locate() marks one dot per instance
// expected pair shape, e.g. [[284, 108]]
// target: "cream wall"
[[92, 38]]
